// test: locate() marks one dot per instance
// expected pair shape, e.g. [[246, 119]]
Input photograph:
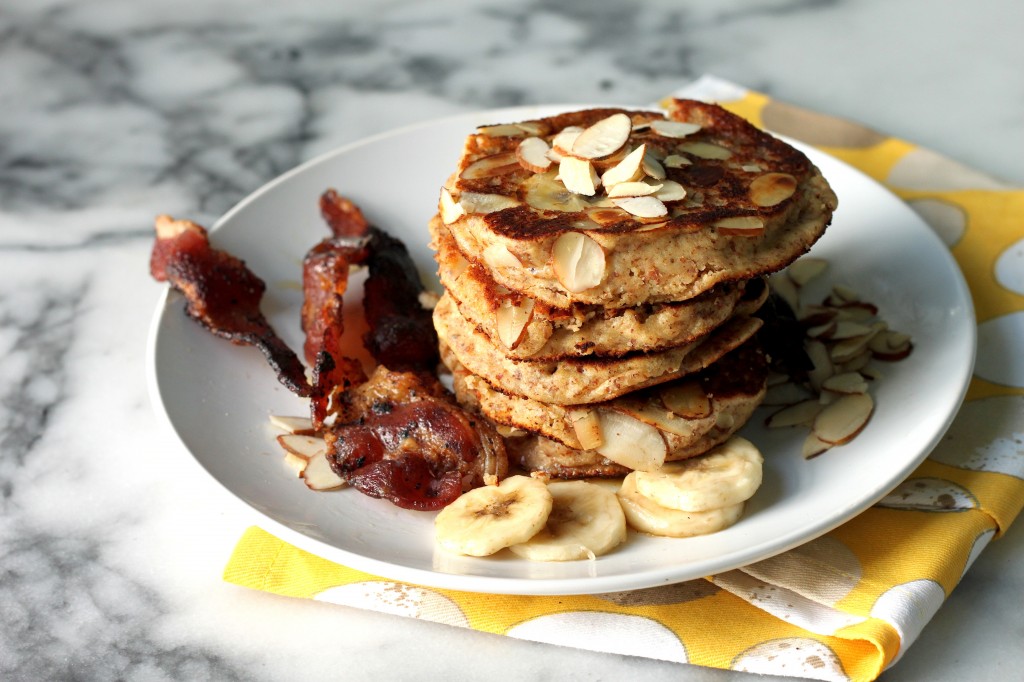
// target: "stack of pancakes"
[[602, 271]]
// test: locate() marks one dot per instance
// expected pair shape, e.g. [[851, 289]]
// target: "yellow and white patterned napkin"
[[844, 606]]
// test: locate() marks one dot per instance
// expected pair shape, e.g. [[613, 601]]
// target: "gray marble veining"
[[111, 539]]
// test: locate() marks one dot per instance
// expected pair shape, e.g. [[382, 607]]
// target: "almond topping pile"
[[842, 336]]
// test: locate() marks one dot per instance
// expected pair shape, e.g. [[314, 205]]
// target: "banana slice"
[[485, 520], [586, 521], [725, 476], [649, 517], [545, 192]]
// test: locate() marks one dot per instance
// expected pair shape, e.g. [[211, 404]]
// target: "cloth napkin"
[[848, 604]]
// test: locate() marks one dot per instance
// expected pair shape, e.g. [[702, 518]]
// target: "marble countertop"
[[112, 540]]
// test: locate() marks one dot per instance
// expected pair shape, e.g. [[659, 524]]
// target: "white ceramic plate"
[[217, 396]]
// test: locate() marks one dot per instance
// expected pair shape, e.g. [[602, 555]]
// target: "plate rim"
[[572, 584]]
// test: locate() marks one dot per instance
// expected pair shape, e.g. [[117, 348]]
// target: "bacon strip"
[[405, 440], [221, 294], [402, 334], [324, 282]]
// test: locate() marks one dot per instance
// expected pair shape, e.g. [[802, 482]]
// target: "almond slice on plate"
[[843, 419], [786, 394], [673, 128], [800, 414], [532, 154], [578, 262], [299, 449], [630, 442], [603, 138], [578, 176], [298, 425], [642, 207], [451, 210], [626, 170], [318, 474], [511, 320], [814, 446], [805, 269], [847, 383]]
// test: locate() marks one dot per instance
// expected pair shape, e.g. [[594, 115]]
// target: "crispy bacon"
[[342, 216], [221, 294], [407, 441], [402, 334], [324, 281]]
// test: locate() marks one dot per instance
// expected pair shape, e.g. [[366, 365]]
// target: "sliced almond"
[[511, 320], [843, 419], [856, 363], [846, 383], [676, 161], [587, 427], [821, 362], [771, 189], [642, 207], [800, 414], [630, 442], [653, 167], [318, 474], [578, 261], [655, 414], [498, 256], [605, 216], [673, 128], [563, 141], [632, 189], [823, 331], [687, 399], [297, 425], [784, 287], [451, 210], [890, 346], [847, 349], [805, 269], [303, 446], [506, 431], [483, 203], [578, 176], [626, 170], [846, 329], [745, 226], [705, 150], [670, 190], [532, 154], [842, 295], [786, 394], [751, 168], [503, 130], [490, 166], [814, 446], [603, 138]]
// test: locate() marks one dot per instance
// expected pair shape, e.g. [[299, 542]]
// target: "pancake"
[[736, 386], [753, 204], [550, 333], [733, 387], [581, 380]]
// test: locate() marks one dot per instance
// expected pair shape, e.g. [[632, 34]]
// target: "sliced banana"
[[485, 520], [725, 476], [545, 192], [586, 521], [647, 516]]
